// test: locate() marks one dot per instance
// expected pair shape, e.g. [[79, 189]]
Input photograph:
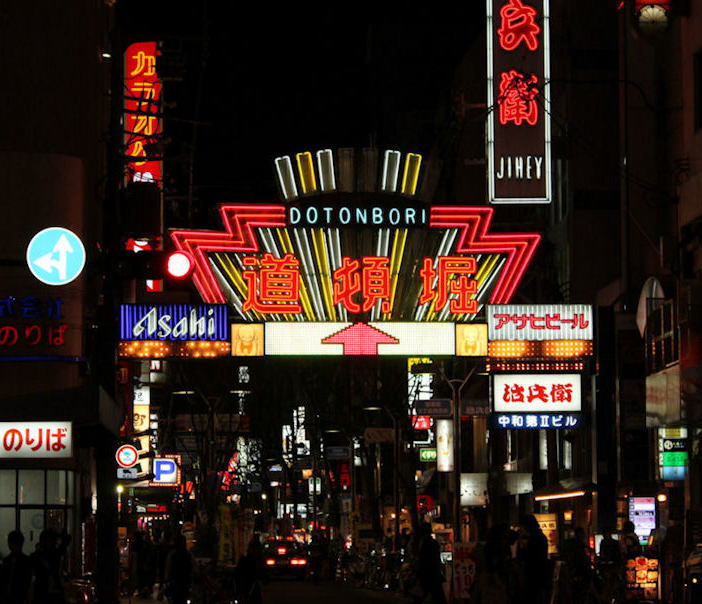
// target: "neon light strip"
[[398, 250], [325, 167], [305, 170], [559, 496], [391, 171], [410, 176], [309, 270], [288, 248], [475, 221], [286, 177], [320, 253], [239, 221]]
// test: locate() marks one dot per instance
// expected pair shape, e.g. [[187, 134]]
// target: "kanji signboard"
[[142, 109], [539, 322], [518, 98], [38, 440], [529, 393], [270, 268], [535, 421]]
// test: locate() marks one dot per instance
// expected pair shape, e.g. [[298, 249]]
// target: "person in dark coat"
[[250, 571], [179, 572], [533, 555], [429, 571], [16, 572], [46, 564]]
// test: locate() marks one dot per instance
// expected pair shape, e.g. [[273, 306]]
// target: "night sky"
[[279, 86]]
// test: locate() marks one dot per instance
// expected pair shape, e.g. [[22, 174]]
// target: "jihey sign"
[[173, 322], [142, 121], [519, 125], [539, 322], [39, 440], [528, 393]]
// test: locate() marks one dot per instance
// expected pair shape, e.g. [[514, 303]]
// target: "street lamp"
[[456, 385], [396, 473]]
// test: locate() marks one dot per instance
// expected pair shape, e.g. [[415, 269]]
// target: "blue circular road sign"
[[55, 256]]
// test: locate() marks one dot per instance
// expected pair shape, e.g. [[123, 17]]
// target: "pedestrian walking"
[[15, 572], [430, 576], [46, 565], [629, 541], [179, 572], [250, 573], [533, 558]]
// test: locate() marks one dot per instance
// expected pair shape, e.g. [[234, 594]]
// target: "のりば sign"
[[528, 393], [38, 440]]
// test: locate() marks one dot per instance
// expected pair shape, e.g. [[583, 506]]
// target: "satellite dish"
[[651, 289]]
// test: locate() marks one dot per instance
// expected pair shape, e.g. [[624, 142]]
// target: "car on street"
[[285, 558]]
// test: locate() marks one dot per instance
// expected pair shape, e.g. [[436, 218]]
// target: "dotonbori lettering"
[[320, 215], [192, 326]]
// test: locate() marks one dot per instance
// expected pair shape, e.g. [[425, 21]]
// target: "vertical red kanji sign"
[[142, 112], [519, 121]]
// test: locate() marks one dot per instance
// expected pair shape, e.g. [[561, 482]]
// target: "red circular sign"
[[127, 456]]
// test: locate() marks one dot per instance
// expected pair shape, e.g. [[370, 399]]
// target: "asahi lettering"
[[193, 326], [519, 167]]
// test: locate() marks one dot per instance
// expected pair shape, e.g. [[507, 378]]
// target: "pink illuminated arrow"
[[360, 338]]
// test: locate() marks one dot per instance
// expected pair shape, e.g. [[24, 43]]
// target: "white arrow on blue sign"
[[55, 256]]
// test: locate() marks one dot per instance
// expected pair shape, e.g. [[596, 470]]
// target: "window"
[[32, 500]]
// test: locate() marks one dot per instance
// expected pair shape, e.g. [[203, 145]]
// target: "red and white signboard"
[[37, 440], [376, 338], [526, 393], [539, 322], [127, 456], [518, 98]]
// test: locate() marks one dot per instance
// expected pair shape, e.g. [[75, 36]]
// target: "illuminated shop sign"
[[142, 108], [673, 457], [518, 98], [166, 471], [173, 322], [30, 322], [332, 215], [528, 393], [39, 440], [386, 338], [642, 512], [274, 261], [474, 489], [535, 421], [539, 322], [444, 445]]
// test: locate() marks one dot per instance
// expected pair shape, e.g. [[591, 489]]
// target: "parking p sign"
[[166, 471]]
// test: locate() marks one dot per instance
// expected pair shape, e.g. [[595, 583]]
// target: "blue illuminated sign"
[[673, 472], [55, 256], [520, 421], [173, 322]]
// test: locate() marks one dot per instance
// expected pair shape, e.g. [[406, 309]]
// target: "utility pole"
[[456, 386]]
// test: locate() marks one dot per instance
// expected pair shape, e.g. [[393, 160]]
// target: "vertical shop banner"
[[142, 113], [519, 122]]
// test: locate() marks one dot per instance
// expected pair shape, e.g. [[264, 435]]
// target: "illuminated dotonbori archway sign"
[[519, 122], [352, 259]]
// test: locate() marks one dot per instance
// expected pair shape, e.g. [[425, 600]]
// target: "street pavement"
[[306, 592]]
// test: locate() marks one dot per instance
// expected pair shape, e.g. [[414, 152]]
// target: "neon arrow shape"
[[48, 263], [360, 338]]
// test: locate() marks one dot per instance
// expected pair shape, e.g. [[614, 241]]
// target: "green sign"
[[427, 454], [673, 458]]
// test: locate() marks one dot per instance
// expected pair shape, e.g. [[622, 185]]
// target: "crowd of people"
[[35, 578]]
